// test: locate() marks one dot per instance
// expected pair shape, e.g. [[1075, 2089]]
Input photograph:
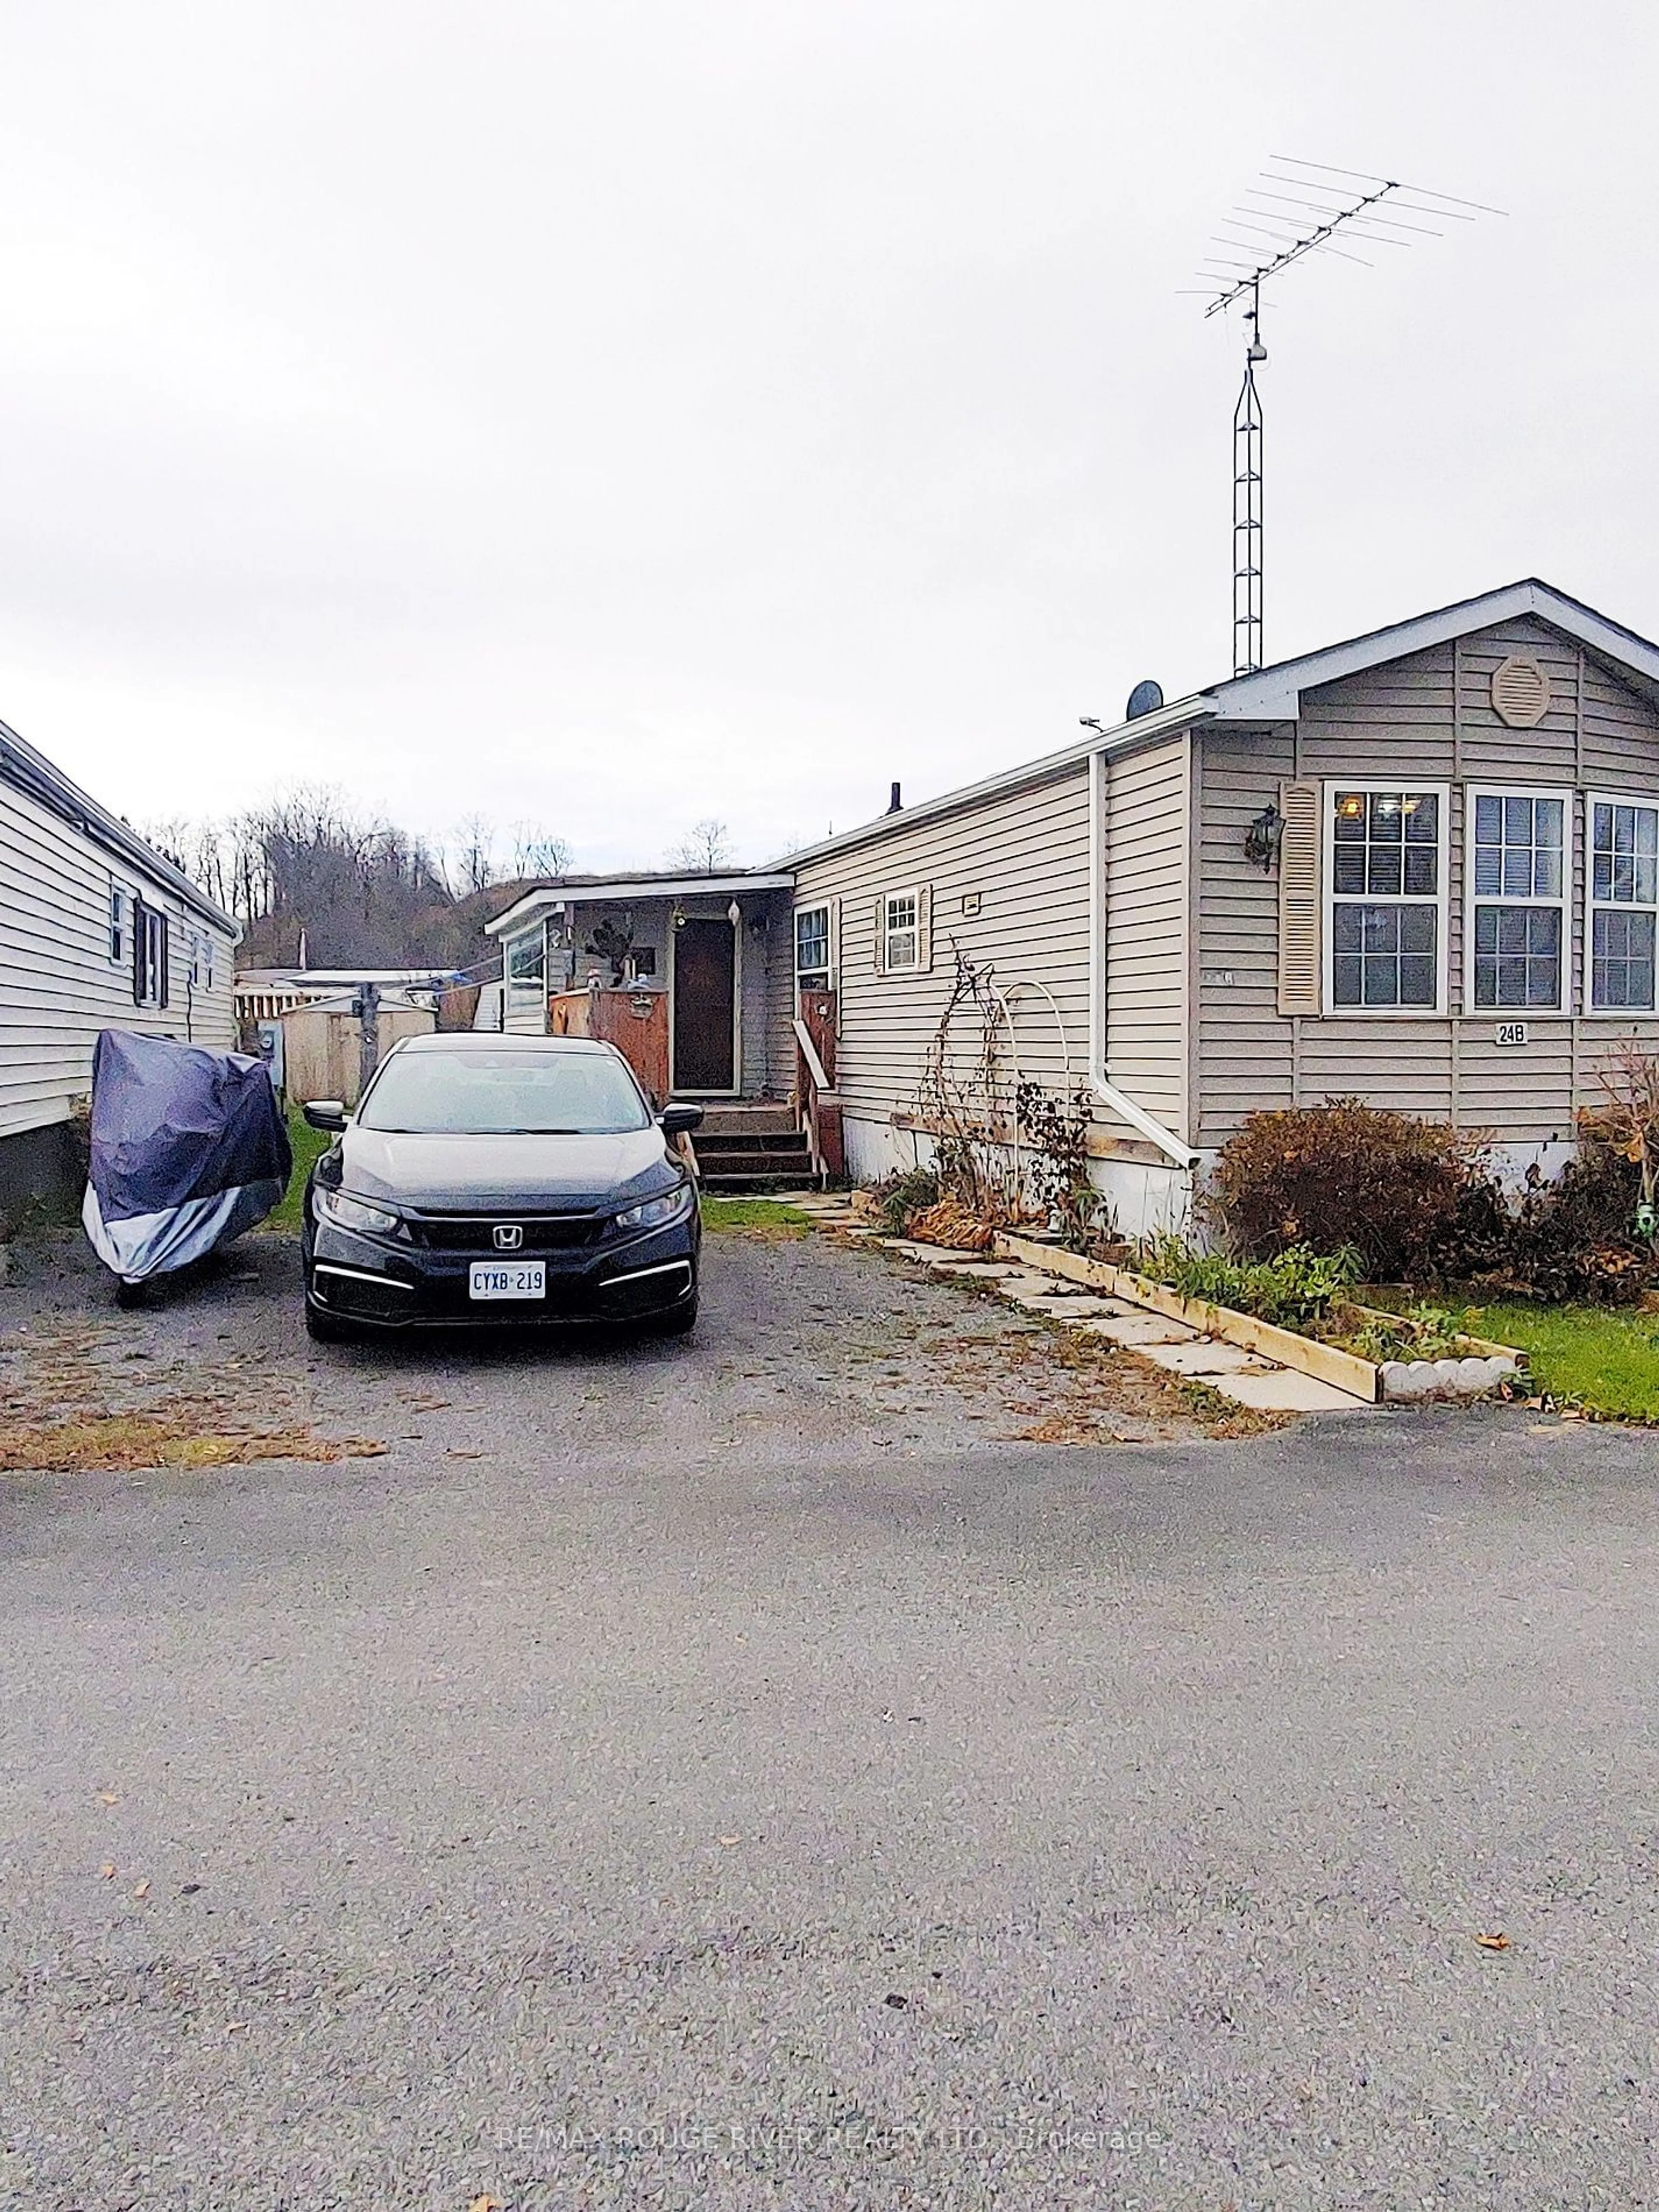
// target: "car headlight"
[[658, 1212], [339, 1206]]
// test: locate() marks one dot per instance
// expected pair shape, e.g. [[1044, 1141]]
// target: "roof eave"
[[1180, 714]]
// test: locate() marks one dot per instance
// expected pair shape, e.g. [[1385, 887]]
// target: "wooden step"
[[746, 1118]]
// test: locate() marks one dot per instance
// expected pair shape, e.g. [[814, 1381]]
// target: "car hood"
[[457, 1175]]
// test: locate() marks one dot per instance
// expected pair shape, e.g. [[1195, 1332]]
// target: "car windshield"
[[504, 1093]]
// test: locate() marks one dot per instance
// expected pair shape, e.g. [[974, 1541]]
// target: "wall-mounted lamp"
[[1262, 838], [734, 913]]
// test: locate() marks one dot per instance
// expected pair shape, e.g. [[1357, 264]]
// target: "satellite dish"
[[1145, 699]]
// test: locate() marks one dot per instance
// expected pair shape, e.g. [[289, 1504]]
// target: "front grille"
[[476, 1232]]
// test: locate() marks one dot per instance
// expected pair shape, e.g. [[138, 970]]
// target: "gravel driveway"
[[741, 1775]]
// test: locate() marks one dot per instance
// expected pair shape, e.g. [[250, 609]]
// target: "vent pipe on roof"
[[895, 803]]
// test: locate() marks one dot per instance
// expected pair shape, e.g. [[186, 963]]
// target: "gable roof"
[[33, 773], [1274, 694]]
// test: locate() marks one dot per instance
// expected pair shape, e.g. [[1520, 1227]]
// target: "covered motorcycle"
[[188, 1150]]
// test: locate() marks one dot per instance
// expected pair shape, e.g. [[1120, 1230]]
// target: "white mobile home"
[[97, 931]]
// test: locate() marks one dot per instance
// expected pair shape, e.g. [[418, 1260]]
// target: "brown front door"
[[705, 1005]]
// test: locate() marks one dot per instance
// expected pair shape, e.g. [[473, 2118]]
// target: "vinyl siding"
[[1147, 882], [59, 988], [1024, 856], [1427, 718]]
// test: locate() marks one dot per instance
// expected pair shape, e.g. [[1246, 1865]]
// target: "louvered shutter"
[[835, 944], [140, 949], [164, 962], [925, 928], [1300, 977], [881, 936]]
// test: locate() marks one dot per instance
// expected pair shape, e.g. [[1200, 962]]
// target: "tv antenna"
[[1285, 217]]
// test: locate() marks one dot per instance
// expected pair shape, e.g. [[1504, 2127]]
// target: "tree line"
[[315, 881]]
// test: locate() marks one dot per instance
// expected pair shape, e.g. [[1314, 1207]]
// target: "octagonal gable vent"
[[1520, 692]]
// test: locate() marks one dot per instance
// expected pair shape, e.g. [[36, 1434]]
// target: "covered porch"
[[692, 977]]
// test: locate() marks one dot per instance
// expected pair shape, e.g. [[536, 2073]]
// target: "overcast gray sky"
[[607, 415]]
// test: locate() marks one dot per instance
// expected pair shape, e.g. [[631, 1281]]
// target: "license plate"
[[518, 1279]]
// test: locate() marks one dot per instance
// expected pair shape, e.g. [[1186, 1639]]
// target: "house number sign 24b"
[[1511, 1033]]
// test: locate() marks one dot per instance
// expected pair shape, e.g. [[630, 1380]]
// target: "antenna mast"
[[1301, 216]]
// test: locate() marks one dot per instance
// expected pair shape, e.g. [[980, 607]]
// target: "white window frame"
[[819, 906], [1329, 898], [913, 930], [1648, 801], [1473, 791]]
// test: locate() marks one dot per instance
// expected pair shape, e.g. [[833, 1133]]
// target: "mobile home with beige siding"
[[97, 931], [1418, 868]]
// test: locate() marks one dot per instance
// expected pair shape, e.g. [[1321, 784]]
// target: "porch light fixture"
[[1262, 838], [734, 913]]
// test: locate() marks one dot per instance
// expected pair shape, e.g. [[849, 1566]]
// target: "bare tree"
[[474, 854], [536, 854], [706, 848]]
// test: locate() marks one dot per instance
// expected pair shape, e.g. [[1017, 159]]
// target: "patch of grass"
[[757, 1216], [1608, 1362], [309, 1145], [102, 1442]]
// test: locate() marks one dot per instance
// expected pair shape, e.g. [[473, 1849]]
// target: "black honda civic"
[[486, 1179]]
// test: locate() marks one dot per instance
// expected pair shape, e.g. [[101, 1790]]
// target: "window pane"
[[1486, 929], [1388, 821], [1417, 928], [1345, 980], [1422, 817], [1416, 981], [1422, 871], [1386, 877], [1345, 928], [1488, 820], [1382, 986]]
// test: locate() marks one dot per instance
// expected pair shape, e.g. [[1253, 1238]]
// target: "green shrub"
[[1296, 1286], [1406, 1194]]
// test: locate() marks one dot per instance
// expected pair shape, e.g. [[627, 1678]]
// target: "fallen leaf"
[[897, 2002], [466, 1455], [485, 2204], [1497, 1941], [143, 1890], [109, 1797], [235, 2026], [727, 1842], [107, 1869]]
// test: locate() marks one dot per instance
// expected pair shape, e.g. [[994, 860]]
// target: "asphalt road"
[[669, 1808]]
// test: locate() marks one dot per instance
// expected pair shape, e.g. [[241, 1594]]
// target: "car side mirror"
[[678, 1117], [324, 1113]]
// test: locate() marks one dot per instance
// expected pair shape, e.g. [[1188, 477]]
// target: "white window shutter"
[[881, 936], [1300, 964], [925, 928]]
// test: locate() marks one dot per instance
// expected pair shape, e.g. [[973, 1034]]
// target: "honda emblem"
[[508, 1236]]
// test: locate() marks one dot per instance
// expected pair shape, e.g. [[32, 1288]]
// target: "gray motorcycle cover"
[[188, 1150]]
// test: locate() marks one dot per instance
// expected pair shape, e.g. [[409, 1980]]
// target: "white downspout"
[[1100, 1080]]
